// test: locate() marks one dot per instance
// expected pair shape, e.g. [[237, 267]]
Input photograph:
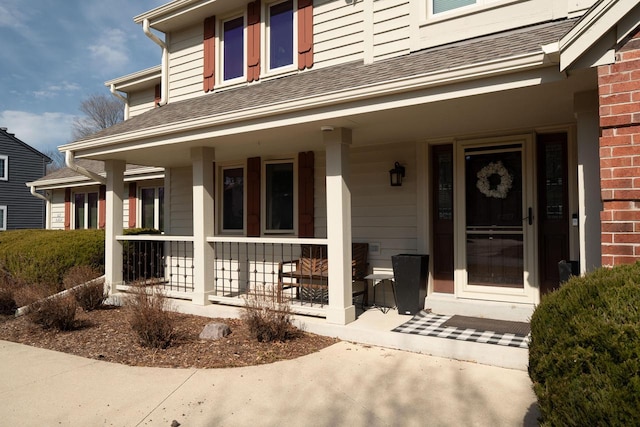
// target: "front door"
[[496, 221]]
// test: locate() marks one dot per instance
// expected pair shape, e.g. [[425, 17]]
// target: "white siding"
[[180, 207], [186, 62], [391, 28], [141, 101], [380, 213], [338, 32], [497, 16], [57, 209]]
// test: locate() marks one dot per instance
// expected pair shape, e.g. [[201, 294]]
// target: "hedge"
[[44, 256], [584, 354]]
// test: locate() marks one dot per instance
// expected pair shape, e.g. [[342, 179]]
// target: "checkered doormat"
[[430, 324]]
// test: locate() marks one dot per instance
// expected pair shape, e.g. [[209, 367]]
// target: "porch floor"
[[374, 327]]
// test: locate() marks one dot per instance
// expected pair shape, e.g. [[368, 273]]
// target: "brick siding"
[[619, 94]]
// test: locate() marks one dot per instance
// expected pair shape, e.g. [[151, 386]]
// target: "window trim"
[[263, 197], [3, 215], [477, 7], [220, 50], [5, 170], [86, 209], [156, 206], [265, 48], [220, 191]]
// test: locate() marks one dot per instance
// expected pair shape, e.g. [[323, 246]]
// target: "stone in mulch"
[[214, 331]]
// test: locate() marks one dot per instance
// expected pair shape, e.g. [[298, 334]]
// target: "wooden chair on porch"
[[310, 272]]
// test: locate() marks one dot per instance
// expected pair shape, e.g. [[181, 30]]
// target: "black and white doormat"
[[432, 325]]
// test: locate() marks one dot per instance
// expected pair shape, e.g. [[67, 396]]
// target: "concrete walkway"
[[344, 385]]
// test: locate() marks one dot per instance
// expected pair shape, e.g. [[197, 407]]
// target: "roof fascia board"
[[136, 78], [332, 99], [169, 11], [599, 20], [138, 174]]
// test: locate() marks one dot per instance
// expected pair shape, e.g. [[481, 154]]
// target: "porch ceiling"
[[546, 100]]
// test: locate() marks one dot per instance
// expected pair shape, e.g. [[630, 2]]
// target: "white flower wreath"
[[506, 181]]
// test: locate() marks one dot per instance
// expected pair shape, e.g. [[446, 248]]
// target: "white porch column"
[[589, 201], [113, 223], [203, 225], [341, 309]]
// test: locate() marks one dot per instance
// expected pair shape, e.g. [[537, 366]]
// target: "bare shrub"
[[150, 316], [7, 301], [79, 275], [57, 312], [267, 319]]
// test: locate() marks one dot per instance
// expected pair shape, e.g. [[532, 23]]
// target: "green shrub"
[[150, 316], [44, 256], [58, 312], [267, 319], [584, 355]]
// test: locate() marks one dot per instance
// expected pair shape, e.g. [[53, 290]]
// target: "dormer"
[[221, 44], [139, 91]]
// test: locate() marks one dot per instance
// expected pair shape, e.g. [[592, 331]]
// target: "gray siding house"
[[19, 164]]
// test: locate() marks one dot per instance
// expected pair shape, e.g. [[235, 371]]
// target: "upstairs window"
[[4, 168], [440, 6], [280, 34], [3, 218], [232, 42]]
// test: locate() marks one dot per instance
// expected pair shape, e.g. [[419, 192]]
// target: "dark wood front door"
[[553, 214]]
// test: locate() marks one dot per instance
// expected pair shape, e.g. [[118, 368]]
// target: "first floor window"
[[446, 5], [4, 168], [280, 34], [152, 208], [233, 199], [85, 210], [233, 48], [279, 192], [3, 217]]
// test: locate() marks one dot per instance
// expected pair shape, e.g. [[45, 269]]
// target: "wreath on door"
[[500, 190]]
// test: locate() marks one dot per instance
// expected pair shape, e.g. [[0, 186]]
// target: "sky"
[[55, 53]]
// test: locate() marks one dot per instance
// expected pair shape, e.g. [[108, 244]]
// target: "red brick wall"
[[619, 90]]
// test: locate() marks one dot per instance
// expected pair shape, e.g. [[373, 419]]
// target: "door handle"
[[530, 216]]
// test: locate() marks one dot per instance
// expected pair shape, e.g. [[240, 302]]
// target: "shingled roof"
[[65, 173], [348, 76]]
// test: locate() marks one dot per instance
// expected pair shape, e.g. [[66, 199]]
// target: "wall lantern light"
[[396, 174]]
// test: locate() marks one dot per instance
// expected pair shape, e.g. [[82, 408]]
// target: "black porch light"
[[396, 174]]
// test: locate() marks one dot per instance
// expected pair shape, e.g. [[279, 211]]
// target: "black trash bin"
[[410, 272], [566, 269]]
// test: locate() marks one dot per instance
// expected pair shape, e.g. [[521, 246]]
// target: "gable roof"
[[601, 18], [300, 90], [66, 177], [4, 132]]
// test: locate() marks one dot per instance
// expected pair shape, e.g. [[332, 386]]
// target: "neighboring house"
[[277, 122], [19, 163], [75, 201]]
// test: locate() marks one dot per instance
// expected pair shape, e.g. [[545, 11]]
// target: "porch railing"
[[248, 265], [167, 259]]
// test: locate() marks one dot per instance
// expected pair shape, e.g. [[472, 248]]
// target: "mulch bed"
[[105, 334]]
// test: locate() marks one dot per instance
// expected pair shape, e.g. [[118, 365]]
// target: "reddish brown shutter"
[[305, 34], [67, 208], [305, 195], [102, 206], [157, 96], [253, 41], [253, 197], [209, 53], [133, 190]]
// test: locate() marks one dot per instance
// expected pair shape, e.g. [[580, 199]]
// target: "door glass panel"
[[93, 210], [554, 185], [148, 204], [494, 233], [233, 199], [79, 211]]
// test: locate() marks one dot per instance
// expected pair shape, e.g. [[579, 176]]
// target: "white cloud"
[[110, 53], [56, 90], [43, 131], [11, 17]]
